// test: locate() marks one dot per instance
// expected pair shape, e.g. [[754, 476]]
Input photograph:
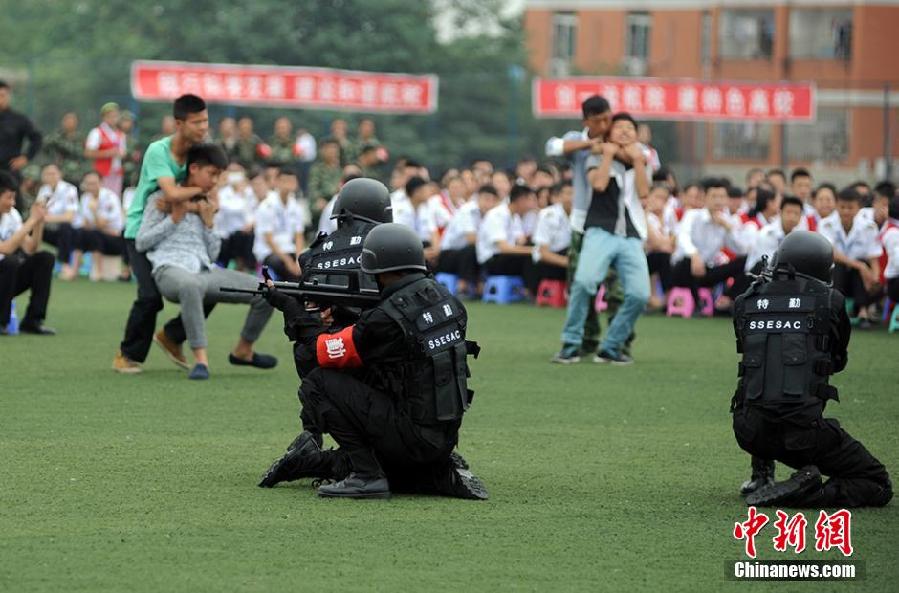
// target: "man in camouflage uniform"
[[133, 154], [324, 176], [249, 150], [65, 149], [283, 144]]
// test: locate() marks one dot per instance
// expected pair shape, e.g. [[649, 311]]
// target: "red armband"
[[337, 351]]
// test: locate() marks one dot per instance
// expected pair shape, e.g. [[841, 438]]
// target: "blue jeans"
[[600, 250]]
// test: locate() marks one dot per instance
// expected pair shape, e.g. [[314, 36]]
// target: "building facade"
[[848, 48]]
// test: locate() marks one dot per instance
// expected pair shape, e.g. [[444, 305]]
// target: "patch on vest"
[[339, 262], [779, 304], [776, 324], [442, 340]]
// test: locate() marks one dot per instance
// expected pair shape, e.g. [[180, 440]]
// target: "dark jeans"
[[507, 264], [64, 238], [535, 272], [460, 262], [682, 276], [141, 322], [857, 478], [660, 263], [277, 266], [20, 272], [93, 240], [238, 246], [893, 289], [376, 435], [849, 282]]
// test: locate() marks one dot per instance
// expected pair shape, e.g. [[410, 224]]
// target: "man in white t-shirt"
[[102, 221], [457, 246], [279, 228], [22, 266], [551, 238], [856, 252], [770, 236], [235, 219], [703, 237], [502, 248], [424, 224], [61, 199]]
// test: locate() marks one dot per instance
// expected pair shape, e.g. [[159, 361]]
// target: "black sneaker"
[[290, 466], [356, 486], [606, 357], [37, 329], [801, 483], [567, 355]]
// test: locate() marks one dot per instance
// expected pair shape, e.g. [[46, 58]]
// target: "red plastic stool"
[[552, 293]]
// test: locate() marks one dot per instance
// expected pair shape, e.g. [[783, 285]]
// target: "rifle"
[[320, 289]]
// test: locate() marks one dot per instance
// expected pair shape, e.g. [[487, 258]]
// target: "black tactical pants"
[[857, 478], [377, 437]]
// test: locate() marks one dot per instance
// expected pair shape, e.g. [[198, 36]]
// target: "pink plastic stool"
[[600, 303], [552, 293], [680, 302]]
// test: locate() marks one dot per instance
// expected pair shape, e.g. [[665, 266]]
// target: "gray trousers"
[[192, 290]]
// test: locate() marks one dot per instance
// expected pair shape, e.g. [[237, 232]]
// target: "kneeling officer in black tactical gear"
[[398, 416], [792, 330], [361, 205]]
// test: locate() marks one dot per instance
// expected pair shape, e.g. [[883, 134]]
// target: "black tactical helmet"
[[807, 253], [391, 247], [366, 199]]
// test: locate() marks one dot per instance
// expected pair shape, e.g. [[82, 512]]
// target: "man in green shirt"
[[163, 168], [65, 149], [324, 177], [283, 144]]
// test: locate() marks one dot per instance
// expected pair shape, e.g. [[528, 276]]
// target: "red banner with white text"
[[285, 86], [682, 99]]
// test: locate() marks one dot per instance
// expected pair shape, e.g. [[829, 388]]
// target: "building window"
[[563, 43], [706, 40], [821, 33], [741, 141], [746, 34], [827, 139], [638, 25]]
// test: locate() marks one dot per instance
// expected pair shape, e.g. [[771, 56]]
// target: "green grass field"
[[612, 479]]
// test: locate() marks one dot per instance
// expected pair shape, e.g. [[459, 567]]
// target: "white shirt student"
[[279, 221]]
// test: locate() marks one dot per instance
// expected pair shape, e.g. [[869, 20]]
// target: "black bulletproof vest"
[[786, 342], [435, 376], [341, 250]]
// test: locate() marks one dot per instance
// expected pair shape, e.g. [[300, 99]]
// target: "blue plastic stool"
[[503, 289], [449, 281], [86, 264], [12, 328]]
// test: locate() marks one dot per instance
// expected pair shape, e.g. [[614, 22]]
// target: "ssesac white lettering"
[[444, 339]]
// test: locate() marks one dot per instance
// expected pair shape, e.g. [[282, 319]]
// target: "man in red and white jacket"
[[105, 144]]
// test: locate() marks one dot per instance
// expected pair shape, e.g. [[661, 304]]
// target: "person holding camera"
[[22, 266]]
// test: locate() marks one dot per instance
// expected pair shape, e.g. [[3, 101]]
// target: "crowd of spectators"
[[475, 220]]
